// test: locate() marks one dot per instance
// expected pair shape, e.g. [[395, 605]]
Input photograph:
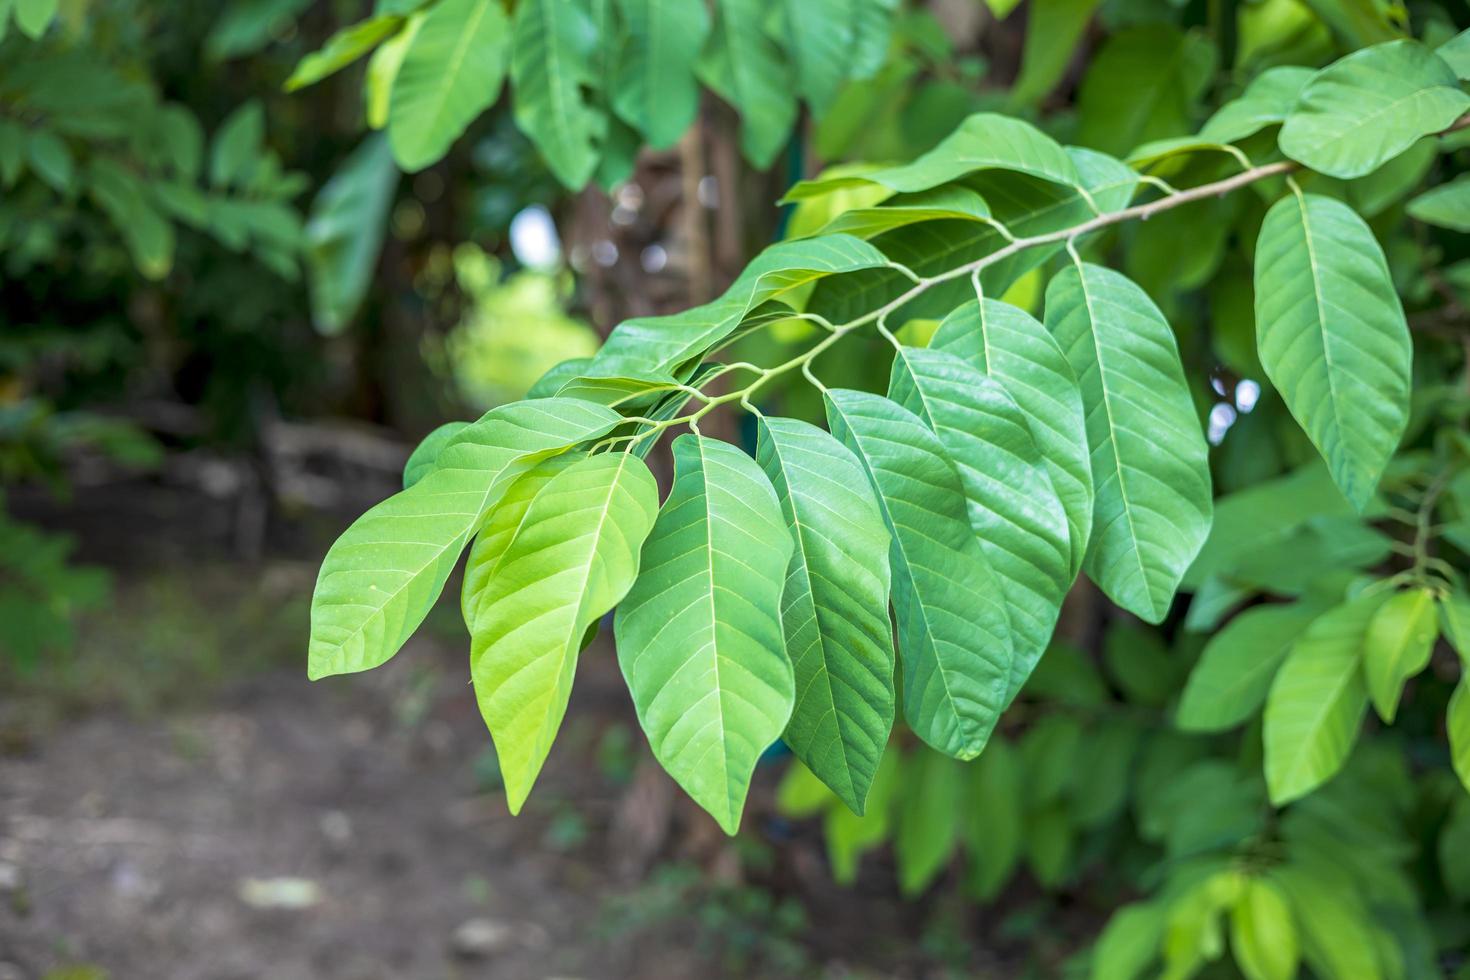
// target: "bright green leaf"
[[451, 72], [1457, 725], [421, 461], [1446, 206], [572, 558], [1262, 934], [656, 92], [743, 65], [1266, 101], [1317, 701], [1398, 644], [382, 576], [699, 636], [552, 43], [1230, 681], [342, 49]]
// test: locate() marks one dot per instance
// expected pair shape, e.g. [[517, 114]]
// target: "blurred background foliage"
[[219, 290]]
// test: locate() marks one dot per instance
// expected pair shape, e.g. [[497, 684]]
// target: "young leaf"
[[1234, 671], [573, 557], [699, 636], [1149, 468], [1445, 206], [1010, 501], [421, 460], [1332, 336], [382, 576], [1317, 701], [953, 632], [552, 44], [1398, 644], [834, 608], [1262, 934], [1332, 923], [1130, 942], [1371, 106], [928, 819], [451, 72], [1009, 344], [746, 69], [342, 49], [655, 90]]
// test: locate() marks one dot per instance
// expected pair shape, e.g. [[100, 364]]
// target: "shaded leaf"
[[342, 49], [743, 65], [953, 632], [1235, 670], [1446, 206], [552, 44], [834, 607], [344, 234], [655, 90]]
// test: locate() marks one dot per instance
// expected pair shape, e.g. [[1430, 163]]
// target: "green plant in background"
[[1266, 260]]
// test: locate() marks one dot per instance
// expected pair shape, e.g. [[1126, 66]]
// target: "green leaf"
[[1316, 703], [950, 201], [1049, 843], [1454, 620], [1445, 206], [1149, 468], [344, 234], [1456, 54], [984, 141], [1142, 85], [1333, 925], [122, 196], [421, 461], [382, 70], [928, 819], [953, 632], [746, 69], [660, 345], [51, 160], [1266, 101], [1398, 644], [1234, 672], [1457, 725], [235, 152], [655, 91], [849, 835], [572, 558], [834, 607], [1009, 497], [1371, 106], [342, 49], [382, 576], [1262, 934], [993, 819], [34, 16], [699, 636], [552, 47], [1009, 344], [819, 37], [1332, 336], [802, 794], [451, 72], [1130, 942], [1141, 666], [1390, 183], [1053, 30]]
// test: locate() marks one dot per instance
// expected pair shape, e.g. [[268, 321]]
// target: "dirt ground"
[[178, 802]]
